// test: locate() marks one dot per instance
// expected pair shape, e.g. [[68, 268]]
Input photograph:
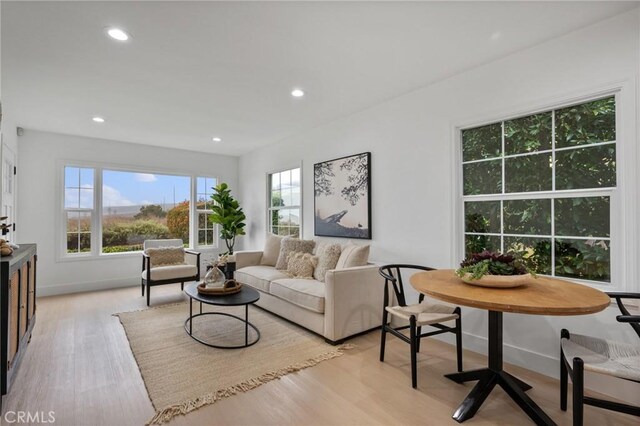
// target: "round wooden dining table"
[[540, 296]]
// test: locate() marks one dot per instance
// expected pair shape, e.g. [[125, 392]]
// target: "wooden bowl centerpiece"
[[495, 270]]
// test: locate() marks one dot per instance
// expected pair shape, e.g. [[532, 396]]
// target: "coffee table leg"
[[200, 307], [190, 316], [246, 324]]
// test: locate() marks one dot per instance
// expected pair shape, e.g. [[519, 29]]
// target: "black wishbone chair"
[[580, 353], [419, 315]]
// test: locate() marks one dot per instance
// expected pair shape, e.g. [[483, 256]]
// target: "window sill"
[[62, 259]]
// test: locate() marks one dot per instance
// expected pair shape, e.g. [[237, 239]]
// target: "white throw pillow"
[[353, 255], [289, 245], [162, 256], [328, 256], [271, 250], [301, 265]]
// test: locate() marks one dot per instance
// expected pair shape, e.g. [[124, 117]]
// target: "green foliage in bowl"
[[493, 263]]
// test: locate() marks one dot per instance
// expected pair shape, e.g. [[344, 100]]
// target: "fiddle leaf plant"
[[227, 213]]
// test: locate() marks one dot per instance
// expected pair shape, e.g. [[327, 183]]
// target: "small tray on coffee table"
[[202, 289]]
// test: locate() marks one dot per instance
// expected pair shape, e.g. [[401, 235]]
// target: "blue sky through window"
[[121, 189]]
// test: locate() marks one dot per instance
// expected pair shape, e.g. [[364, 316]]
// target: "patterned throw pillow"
[[271, 250], [353, 255], [301, 265], [163, 256], [328, 255], [287, 245]]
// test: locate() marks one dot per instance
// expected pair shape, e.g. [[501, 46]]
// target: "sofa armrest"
[[353, 301], [247, 258]]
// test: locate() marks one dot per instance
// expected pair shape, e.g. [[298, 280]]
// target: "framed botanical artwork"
[[342, 197]]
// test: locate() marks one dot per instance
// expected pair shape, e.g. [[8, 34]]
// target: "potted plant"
[[495, 269], [228, 214]]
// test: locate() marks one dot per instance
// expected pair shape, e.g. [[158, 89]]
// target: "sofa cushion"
[[353, 255], [259, 276], [288, 245], [271, 250], [328, 255], [170, 272], [159, 256], [301, 265], [307, 293]]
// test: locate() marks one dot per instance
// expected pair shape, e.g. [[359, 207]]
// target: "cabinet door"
[[32, 288], [14, 292], [24, 286]]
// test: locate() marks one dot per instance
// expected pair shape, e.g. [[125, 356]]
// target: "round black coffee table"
[[245, 297]]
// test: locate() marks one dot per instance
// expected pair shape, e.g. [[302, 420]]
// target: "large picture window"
[[284, 202], [543, 184], [143, 206], [132, 207]]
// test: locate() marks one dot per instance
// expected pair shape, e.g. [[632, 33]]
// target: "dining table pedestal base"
[[494, 375]]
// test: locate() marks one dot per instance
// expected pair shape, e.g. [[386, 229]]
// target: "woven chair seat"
[[425, 313], [616, 359]]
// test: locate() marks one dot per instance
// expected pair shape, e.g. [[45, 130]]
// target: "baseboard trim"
[[525, 358], [55, 290]]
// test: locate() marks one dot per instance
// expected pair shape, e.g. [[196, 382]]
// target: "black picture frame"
[[342, 189]]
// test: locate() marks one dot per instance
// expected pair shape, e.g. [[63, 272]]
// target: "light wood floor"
[[79, 365]]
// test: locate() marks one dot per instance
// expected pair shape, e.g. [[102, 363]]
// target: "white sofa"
[[348, 303]]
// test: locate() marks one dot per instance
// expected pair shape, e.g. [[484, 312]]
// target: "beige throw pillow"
[[271, 250], [288, 245], [163, 256], [301, 265], [353, 255], [328, 255]]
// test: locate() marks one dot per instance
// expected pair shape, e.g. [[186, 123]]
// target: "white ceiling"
[[196, 70]]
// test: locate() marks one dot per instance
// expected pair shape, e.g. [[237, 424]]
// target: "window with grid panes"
[[78, 209], [285, 202], [206, 230], [542, 185]]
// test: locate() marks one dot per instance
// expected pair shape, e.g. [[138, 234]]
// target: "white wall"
[[41, 154], [412, 139]]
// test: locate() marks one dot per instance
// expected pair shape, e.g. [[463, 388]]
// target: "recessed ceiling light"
[[496, 36], [297, 93], [98, 119], [217, 139], [118, 34]]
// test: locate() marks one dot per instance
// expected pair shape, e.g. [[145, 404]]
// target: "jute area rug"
[[182, 375]]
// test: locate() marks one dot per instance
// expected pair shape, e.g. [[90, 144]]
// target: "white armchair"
[[177, 270]]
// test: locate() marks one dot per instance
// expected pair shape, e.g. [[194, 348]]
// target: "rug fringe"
[[183, 408]]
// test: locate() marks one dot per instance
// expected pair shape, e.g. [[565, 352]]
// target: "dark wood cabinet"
[[17, 310]]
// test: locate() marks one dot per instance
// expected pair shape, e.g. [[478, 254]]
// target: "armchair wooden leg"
[[459, 341], [578, 391], [414, 354], [181, 286], [564, 373], [142, 285], [383, 335], [148, 294], [418, 339]]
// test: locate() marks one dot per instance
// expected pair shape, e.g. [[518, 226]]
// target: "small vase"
[[214, 278]]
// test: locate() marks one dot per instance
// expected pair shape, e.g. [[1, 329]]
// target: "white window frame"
[[270, 209], [91, 211], [198, 212], [623, 226], [96, 220]]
